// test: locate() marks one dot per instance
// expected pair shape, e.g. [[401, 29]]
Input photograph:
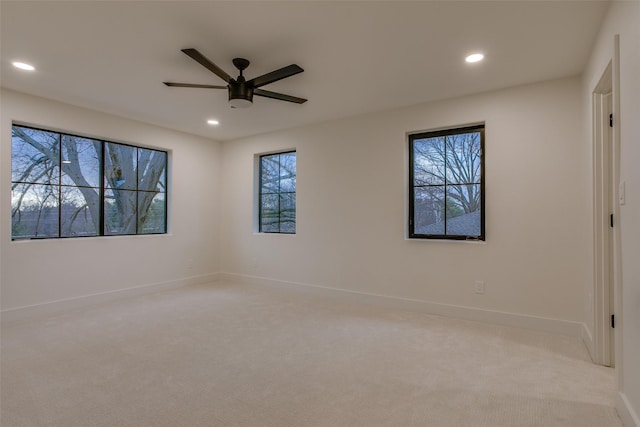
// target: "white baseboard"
[[626, 412], [544, 324], [58, 306], [587, 339]]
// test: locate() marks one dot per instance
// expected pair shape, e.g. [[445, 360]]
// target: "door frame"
[[606, 237]]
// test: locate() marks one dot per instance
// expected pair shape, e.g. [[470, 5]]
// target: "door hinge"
[[611, 120], [611, 220], [613, 320]]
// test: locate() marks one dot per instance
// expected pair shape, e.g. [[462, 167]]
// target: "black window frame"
[[101, 189], [480, 128], [260, 193]]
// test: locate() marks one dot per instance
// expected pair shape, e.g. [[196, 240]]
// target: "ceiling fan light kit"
[[240, 102], [241, 91]]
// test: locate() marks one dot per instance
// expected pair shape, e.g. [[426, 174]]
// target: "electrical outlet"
[[478, 287]]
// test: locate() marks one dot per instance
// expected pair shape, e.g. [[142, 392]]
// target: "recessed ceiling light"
[[476, 57], [213, 122], [23, 66]]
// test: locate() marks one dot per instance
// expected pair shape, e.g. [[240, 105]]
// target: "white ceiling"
[[358, 57]]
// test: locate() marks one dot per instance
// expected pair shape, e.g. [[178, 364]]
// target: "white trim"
[[544, 324], [603, 237], [587, 339], [58, 306], [626, 412], [617, 231]]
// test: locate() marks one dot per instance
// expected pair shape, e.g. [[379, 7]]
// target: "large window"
[[446, 184], [277, 195], [70, 186]]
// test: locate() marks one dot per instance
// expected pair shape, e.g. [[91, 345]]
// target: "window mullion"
[[101, 190], [59, 185], [446, 176], [279, 193], [136, 164]]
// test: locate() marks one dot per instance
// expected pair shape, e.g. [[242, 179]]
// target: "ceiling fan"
[[241, 91]]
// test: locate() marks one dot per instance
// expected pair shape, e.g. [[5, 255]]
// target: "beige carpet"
[[238, 355]]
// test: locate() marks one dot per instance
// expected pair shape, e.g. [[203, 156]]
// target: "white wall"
[[624, 19], [37, 272], [352, 206]]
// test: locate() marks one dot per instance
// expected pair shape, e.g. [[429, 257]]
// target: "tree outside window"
[[70, 186], [277, 198], [447, 184]]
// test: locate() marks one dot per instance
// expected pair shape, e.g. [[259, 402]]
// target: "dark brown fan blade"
[[194, 85], [276, 75], [193, 53], [280, 96]]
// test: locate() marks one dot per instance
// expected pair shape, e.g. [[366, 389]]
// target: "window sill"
[[471, 241], [258, 233]]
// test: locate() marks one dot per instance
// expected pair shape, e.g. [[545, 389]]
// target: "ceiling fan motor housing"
[[240, 94]]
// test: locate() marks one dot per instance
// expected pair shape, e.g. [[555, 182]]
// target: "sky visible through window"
[[70, 186], [447, 184], [278, 193]]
